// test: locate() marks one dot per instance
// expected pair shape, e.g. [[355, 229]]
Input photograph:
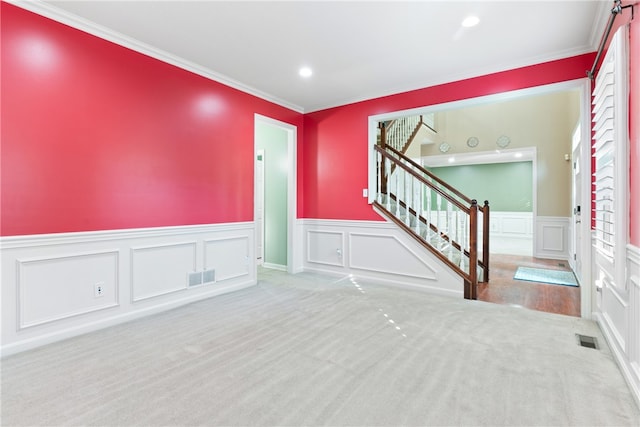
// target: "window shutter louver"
[[610, 155], [604, 154]]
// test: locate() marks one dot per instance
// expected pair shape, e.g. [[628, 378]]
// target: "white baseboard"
[[274, 266], [49, 281]]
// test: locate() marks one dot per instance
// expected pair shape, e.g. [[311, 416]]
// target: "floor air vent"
[[586, 341]]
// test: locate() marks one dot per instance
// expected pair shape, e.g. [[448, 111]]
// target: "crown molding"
[[462, 75], [52, 12], [600, 23]]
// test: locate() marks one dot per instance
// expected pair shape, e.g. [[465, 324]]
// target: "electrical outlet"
[[98, 289]]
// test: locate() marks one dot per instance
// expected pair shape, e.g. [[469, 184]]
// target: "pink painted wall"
[[98, 137], [335, 156]]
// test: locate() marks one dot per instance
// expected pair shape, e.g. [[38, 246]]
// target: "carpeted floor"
[[310, 350]]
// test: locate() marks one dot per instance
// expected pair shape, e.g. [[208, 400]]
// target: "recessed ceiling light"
[[470, 21], [305, 72]]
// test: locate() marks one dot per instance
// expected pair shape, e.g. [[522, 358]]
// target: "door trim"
[[586, 285], [259, 196], [293, 257], [584, 85]]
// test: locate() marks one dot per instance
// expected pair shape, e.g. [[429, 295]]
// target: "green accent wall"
[[273, 141], [507, 186]]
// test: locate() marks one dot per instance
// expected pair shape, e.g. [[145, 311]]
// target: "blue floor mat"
[[543, 275]]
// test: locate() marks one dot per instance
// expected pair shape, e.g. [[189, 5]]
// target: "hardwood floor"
[[503, 289]]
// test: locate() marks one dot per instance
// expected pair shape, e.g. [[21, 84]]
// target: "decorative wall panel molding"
[[552, 237], [633, 336], [512, 224], [49, 281], [228, 256], [59, 287], [618, 316], [396, 259], [325, 247], [161, 269], [376, 251]]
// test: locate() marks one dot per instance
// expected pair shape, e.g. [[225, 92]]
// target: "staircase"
[[400, 133], [443, 220]]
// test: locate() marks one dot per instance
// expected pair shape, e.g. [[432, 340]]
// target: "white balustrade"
[[421, 194], [400, 130]]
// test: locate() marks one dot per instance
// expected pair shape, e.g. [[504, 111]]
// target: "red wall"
[[335, 155], [97, 137]]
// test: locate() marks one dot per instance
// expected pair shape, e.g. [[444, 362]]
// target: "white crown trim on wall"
[[105, 33]]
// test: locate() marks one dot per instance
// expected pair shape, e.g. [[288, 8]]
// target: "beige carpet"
[[310, 350]]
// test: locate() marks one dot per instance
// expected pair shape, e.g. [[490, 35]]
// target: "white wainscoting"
[[161, 269], [618, 315], [218, 249], [376, 251], [511, 224], [49, 281], [42, 300], [552, 237], [511, 233]]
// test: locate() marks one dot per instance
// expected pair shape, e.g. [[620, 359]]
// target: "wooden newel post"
[[383, 144], [471, 286], [383, 135], [486, 229]]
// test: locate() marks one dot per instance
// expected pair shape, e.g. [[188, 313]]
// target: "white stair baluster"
[[428, 212], [439, 224], [416, 194], [397, 193], [407, 198], [450, 227], [379, 170], [387, 168], [463, 240]]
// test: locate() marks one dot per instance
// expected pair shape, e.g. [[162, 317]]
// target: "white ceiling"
[[357, 49]]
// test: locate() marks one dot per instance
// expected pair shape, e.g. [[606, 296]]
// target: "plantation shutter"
[[610, 117], [604, 154]]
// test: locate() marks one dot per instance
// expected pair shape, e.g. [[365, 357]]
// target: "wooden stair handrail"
[[484, 209], [432, 227], [421, 179], [430, 174], [398, 159], [444, 236]]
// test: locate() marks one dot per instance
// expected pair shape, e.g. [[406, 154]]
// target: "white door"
[[576, 191], [260, 206]]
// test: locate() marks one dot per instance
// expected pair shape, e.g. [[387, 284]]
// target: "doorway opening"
[[552, 227], [275, 194], [507, 179]]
